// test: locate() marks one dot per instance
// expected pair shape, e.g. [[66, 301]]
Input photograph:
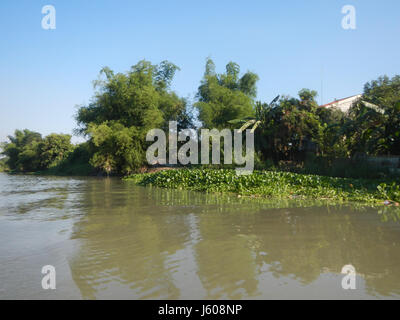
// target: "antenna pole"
[[322, 85]]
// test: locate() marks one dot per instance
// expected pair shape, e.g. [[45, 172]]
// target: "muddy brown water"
[[109, 239]]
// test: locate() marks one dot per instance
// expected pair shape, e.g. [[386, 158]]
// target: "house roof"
[[336, 101]]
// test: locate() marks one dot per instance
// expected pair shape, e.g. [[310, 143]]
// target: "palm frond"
[[246, 125], [275, 100], [236, 121], [255, 126]]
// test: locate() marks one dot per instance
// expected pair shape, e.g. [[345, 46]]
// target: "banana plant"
[[262, 110]]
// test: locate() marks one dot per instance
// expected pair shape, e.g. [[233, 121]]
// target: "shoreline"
[[261, 185], [279, 185]]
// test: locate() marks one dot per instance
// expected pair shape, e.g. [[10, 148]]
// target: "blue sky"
[[45, 74]]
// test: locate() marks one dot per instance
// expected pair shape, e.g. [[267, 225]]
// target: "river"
[[110, 239]]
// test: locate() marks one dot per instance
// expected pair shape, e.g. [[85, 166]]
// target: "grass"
[[274, 185]]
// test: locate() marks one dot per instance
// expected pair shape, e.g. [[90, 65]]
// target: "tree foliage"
[[224, 97], [54, 148], [373, 126], [140, 97], [28, 151], [124, 108], [118, 148], [288, 127], [291, 127], [22, 151]]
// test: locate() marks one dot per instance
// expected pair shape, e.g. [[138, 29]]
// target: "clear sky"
[[46, 73]]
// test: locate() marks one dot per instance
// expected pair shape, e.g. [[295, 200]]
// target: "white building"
[[343, 104]]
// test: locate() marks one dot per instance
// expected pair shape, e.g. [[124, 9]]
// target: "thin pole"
[[322, 85]]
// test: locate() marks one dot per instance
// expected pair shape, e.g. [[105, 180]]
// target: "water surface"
[[109, 239]]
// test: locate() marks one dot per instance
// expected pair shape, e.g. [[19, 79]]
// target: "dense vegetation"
[[3, 165], [292, 133], [27, 151], [125, 107], [223, 97], [371, 130], [273, 184]]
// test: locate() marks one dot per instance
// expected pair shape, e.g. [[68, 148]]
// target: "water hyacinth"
[[273, 184]]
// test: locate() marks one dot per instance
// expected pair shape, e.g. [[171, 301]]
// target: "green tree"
[[141, 97], [118, 148], [124, 108], [53, 149], [28, 151], [224, 97], [3, 164], [23, 150], [286, 127], [333, 143], [293, 128], [373, 126]]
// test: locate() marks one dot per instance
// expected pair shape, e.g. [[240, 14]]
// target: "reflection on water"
[[110, 239]]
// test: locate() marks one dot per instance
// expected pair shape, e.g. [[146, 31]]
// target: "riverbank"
[[82, 170], [275, 185]]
